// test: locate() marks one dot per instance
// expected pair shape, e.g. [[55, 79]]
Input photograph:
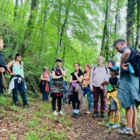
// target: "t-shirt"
[[122, 70], [58, 73], [112, 84], [74, 77]]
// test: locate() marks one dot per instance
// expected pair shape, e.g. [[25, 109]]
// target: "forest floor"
[[38, 123]]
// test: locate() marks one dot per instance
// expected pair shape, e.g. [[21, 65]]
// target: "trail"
[[38, 123]]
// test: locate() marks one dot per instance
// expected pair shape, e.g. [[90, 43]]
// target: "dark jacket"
[[5, 67]]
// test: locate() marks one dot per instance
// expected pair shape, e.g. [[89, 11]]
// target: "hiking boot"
[[135, 130], [55, 113], [108, 125], [61, 113], [102, 114], [17, 104], [74, 115], [77, 115], [95, 115], [27, 105], [115, 126], [126, 131]]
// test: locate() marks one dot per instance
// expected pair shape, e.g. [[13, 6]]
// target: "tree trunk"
[[138, 25], [117, 26], [130, 22], [15, 12]]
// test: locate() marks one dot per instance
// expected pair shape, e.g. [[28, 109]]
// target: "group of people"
[[117, 87]]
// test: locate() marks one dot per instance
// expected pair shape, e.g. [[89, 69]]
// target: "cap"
[[112, 61], [45, 68], [115, 68], [59, 59]]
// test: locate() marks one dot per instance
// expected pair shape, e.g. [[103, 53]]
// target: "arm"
[[56, 77], [64, 73], [71, 80], [23, 69], [125, 56], [79, 78]]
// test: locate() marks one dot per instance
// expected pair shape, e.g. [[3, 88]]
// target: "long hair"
[[88, 67], [79, 66], [18, 54]]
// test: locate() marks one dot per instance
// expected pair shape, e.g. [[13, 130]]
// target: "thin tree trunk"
[[138, 25], [130, 22], [15, 12]]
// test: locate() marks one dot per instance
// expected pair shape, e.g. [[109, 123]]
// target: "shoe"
[[95, 115], [135, 130], [77, 115], [74, 115], [108, 125], [126, 131], [17, 104], [61, 112], [115, 126], [27, 105], [55, 113], [102, 114]]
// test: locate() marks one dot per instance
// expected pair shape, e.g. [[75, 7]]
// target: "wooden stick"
[[6, 89]]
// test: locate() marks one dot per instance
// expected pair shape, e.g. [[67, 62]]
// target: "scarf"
[[46, 76]]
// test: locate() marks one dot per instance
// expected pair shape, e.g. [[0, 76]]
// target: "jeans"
[[89, 97], [45, 96], [21, 88], [59, 103]]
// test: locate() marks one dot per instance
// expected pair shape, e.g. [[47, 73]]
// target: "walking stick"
[[6, 88]]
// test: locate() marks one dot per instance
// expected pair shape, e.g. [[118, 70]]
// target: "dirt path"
[[39, 123]]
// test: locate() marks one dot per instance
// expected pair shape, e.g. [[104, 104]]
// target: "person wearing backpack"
[[3, 67], [57, 88], [97, 76], [45, 78], [128, 87], [17, 82]]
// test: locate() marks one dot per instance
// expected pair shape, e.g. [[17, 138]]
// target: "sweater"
[[97, 76], [86, 79]]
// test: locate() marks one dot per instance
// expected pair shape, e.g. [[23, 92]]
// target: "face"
[[76, 67], [1, 44], [100, 60], [119, 47], [112, 73], [86, 68], [109, 65], [58, 63], [18, 58], [45, 70]]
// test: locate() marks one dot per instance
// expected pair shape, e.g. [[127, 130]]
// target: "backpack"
[[135, 61], [105, 69]]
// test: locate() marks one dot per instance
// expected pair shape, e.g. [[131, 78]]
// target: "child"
[[112, 97]]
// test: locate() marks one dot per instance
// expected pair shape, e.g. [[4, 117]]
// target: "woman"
[[17, 82], [57, 88], [86, 88], [76, 77], [45, 78]]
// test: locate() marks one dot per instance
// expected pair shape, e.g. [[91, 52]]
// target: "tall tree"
[[138, 25], [130, 22]]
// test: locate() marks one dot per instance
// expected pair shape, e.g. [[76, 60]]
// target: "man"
[[128, 88], [3, 67], [96, 78], [58, 88]]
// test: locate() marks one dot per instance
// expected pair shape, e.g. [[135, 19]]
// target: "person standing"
[[3, 67], [57, 88], [17, 82], [128, 88], [97, 76]]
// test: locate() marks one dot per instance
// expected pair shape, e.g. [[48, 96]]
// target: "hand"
[[75, 73], [2, 69], [9, 71], [125, 66], [91, 89], [12, 73], [102, 87]]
